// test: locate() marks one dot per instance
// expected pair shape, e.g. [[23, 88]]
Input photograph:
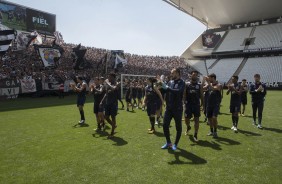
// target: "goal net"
[[131, 77]]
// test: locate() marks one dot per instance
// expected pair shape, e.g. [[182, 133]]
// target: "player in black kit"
[[151, 96], [80, 89], [174, 108], [134, 93], [193, 94], [244, 99], [98, 92], [119, 88], [111, 99], [213, 102], [235, 101], [258, 92], [139, 94], [128, 96]]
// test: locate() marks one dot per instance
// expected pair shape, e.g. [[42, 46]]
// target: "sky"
[[144, 27]]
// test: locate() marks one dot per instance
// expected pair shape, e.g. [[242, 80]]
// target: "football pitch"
[[39, 144]]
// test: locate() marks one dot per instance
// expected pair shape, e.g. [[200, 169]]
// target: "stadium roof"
[[214, 13]]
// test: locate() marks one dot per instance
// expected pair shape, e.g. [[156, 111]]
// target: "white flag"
[[120, 60]]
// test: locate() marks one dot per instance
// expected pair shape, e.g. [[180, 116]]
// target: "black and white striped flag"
[[6, 37]]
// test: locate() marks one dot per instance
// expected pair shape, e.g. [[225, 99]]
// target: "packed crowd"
[[26, 64]]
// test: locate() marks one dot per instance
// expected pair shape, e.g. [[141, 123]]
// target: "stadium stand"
[[269, 67], [210, 62], [267, 36], [234, 40], [20, 65], [198, 65], [225, 68]]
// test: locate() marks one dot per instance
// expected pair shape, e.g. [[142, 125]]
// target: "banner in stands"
[[210, 40], [23, 40], [9, 89], [49, 55], [117, 59], [51, 86], [26, 19], [28, 85]]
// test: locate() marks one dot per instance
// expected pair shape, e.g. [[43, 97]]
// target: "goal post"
[[130, 75]]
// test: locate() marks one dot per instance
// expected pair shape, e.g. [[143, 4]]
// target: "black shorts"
[[212, 111], [111, 109], [80, 101], [128, 99], [134, 96], [191, 110], [235, 108], [98, 108], [151, 109], [244, 100]]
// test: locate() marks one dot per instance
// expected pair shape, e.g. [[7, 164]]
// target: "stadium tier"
[[269, 67], [225, 68], [267, 36], [210, 62], [198, 65], [234, 40]]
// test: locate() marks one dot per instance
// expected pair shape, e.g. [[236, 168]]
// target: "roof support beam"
[[183, 10]]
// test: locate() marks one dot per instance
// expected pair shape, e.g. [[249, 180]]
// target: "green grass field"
[[40, 145]]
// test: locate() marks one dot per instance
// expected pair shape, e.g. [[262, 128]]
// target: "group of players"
[[105, 93], [176, 96]]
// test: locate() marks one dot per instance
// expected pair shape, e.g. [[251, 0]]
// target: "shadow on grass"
[[80, 125], [273, 129], [118, 141], [226, 141], [220, 127], [247, 133], [100, 134], [181, 153], [131, 111], [159, 134], [205, 143]]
